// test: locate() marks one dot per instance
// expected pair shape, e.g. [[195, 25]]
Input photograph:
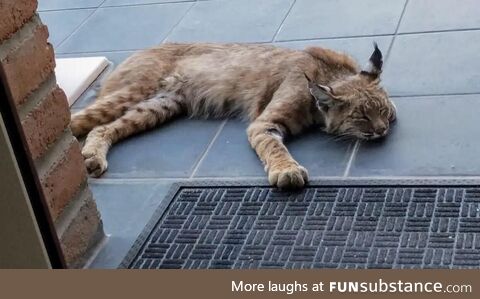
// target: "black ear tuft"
[[375, 63], [377, 58]]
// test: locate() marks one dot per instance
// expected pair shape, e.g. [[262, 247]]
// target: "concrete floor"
[[431, 71]]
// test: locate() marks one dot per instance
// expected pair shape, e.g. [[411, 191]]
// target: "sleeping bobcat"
[[279, 91]]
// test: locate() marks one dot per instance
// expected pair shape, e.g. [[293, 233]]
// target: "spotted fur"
[[279, 91]]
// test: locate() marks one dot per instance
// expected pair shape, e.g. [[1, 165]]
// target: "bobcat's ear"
[[373, 69], [323, 94]]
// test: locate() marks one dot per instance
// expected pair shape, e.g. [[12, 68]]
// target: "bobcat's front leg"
[[266, 139]]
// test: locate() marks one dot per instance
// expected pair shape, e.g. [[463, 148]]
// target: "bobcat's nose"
[[381, 130]]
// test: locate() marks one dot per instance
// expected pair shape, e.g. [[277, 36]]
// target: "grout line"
[[100, 51], [178, 23], [435, 95], [276, 42], [146, 4], [199, 162], [284, 41], [283, 21], [122, 50], [79, 26], [101, 5], [135, 49], [229, 178], [396, 32], [66, 9], [351, 159], [439, 31], [96, 52], [330, 37], [171, 180], [76, 29]]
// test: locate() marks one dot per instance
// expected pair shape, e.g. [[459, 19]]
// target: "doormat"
[[329, 224]]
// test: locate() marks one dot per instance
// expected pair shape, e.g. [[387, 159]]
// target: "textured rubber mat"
[[334, 225]]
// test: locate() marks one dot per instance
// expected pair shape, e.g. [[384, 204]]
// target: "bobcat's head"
[[356, 105]]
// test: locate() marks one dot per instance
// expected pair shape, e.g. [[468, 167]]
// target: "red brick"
[[29, 62], [15, 13], [82, 234], [64, 177], [46, 122]]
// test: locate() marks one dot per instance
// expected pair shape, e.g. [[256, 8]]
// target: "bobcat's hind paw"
[[290, 177]]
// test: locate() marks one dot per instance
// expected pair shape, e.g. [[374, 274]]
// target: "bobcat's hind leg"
[[104, 110], [143, 116]]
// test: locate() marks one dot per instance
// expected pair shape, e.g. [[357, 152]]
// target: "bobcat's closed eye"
[[279, 91]]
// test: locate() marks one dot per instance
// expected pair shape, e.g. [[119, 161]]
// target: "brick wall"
[[28, 61]]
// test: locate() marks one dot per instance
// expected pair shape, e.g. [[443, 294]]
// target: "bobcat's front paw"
[[289, 177], [96, 164]]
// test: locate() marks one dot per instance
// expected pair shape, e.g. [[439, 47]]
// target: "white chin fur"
[[394, 106]]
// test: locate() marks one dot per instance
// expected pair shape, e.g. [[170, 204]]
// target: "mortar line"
[[72, 209], [351, 159], [199, 162], [95, 251], [283, 21]]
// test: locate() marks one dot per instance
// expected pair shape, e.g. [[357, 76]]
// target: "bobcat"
[[279, 91]]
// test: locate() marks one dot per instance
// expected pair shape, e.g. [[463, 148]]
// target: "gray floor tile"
[[231, 21], [318, 19], [359, 48], [125, 208], [432, 15], [434, 136], [169, 151], [125, 28], [434, 63], [63, 23], [320, 153], [137, 2], [231, 154], [67, 4]]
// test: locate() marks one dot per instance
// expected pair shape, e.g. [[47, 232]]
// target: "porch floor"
[[431, 72]]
